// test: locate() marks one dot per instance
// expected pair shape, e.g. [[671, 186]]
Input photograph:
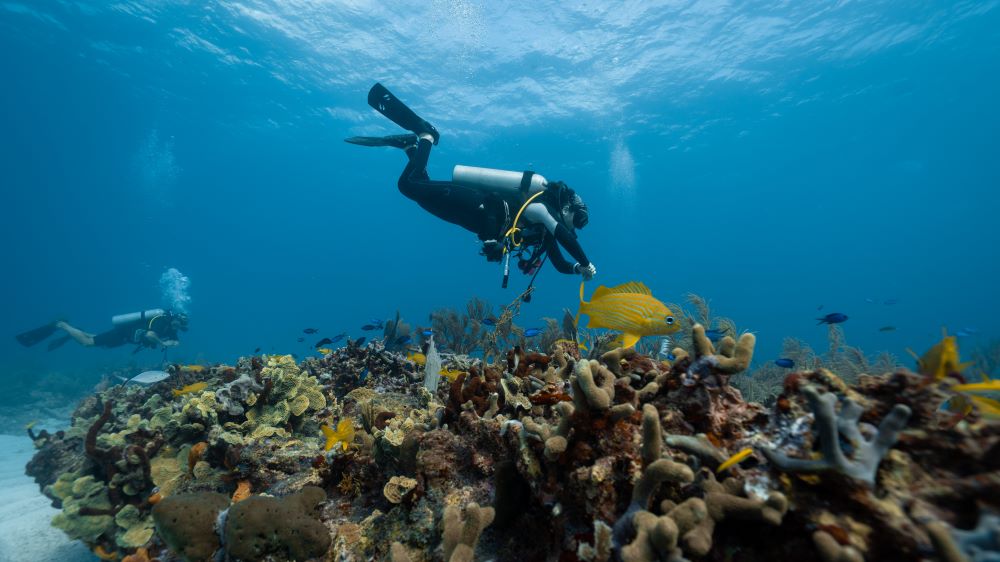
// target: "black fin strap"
[[526, 181]]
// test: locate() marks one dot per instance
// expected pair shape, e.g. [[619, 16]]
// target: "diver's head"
[[580, 214], [571, 206], [179, 321]]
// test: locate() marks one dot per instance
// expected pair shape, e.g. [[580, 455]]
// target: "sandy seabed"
[[26, 534]]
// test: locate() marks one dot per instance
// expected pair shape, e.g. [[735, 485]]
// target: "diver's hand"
[[171, 343], [588, 272]]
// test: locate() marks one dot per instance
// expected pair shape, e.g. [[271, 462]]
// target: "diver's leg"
[[395, 141], [414, 178], [81, 337]]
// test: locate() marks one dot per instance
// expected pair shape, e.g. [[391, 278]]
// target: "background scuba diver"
[[488, 208], [146, 329]]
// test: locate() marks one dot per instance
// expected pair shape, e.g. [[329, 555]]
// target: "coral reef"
[[596, 456]]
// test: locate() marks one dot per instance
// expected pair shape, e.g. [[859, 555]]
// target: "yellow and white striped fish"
[[630, 308]]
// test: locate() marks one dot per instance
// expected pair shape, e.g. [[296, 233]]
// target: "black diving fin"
[[33, 337], [58, 342], [380, 98], [395, 141]]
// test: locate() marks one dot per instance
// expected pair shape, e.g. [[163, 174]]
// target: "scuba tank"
[[120, 319], [503, 182]]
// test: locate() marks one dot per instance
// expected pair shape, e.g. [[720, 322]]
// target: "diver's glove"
[[587, 271]]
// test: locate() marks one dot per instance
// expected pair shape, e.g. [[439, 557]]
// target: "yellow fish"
[[451, 374], [629, 308], [324, 350], [579, 345], [195, 387], [940, 360], [985, 386], [986, 406], [417, 357], [193, 368], [964, 402], [735, 459], [344, 435]]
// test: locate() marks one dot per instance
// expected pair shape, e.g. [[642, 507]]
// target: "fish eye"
[[670, 320]]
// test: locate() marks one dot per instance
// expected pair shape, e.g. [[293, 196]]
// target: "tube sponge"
[[462, 528], [831, 427]]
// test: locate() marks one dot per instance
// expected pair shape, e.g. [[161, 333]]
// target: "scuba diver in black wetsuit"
[[145, 329], [513, 213]]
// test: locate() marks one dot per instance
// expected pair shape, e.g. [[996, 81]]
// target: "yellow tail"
[[576, 320]]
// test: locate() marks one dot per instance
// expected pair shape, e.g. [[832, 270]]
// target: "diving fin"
[[58, 342], [380, 98], [395, 141], [32, 337]]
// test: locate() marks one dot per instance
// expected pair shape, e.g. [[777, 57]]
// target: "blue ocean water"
[[773, 157]]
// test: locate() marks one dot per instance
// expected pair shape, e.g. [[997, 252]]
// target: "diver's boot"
[[396, 141], [380, 98]]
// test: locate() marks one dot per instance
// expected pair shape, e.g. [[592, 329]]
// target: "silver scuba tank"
[[120, 319], [499, 181]]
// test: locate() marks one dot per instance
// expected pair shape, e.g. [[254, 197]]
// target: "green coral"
[[293, 393], [162, 418], [201, 407], [168, 468], [138, 528], [82, 493]]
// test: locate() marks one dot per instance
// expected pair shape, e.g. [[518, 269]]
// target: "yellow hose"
[[513, 227]]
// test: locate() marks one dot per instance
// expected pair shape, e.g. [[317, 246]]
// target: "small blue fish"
[[337, 338], [966, 332], [532, 332], [715, 334], [300, 340], [784, 362], [890, 302], [671, 357], [832, 318], [370, 327], [363, 375], [490, 321], [427, 333], [377, 322], [887, 329], [402, 340], [360, 341]]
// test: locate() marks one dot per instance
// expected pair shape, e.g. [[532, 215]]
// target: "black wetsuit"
[[481, 212], [135, 332]]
